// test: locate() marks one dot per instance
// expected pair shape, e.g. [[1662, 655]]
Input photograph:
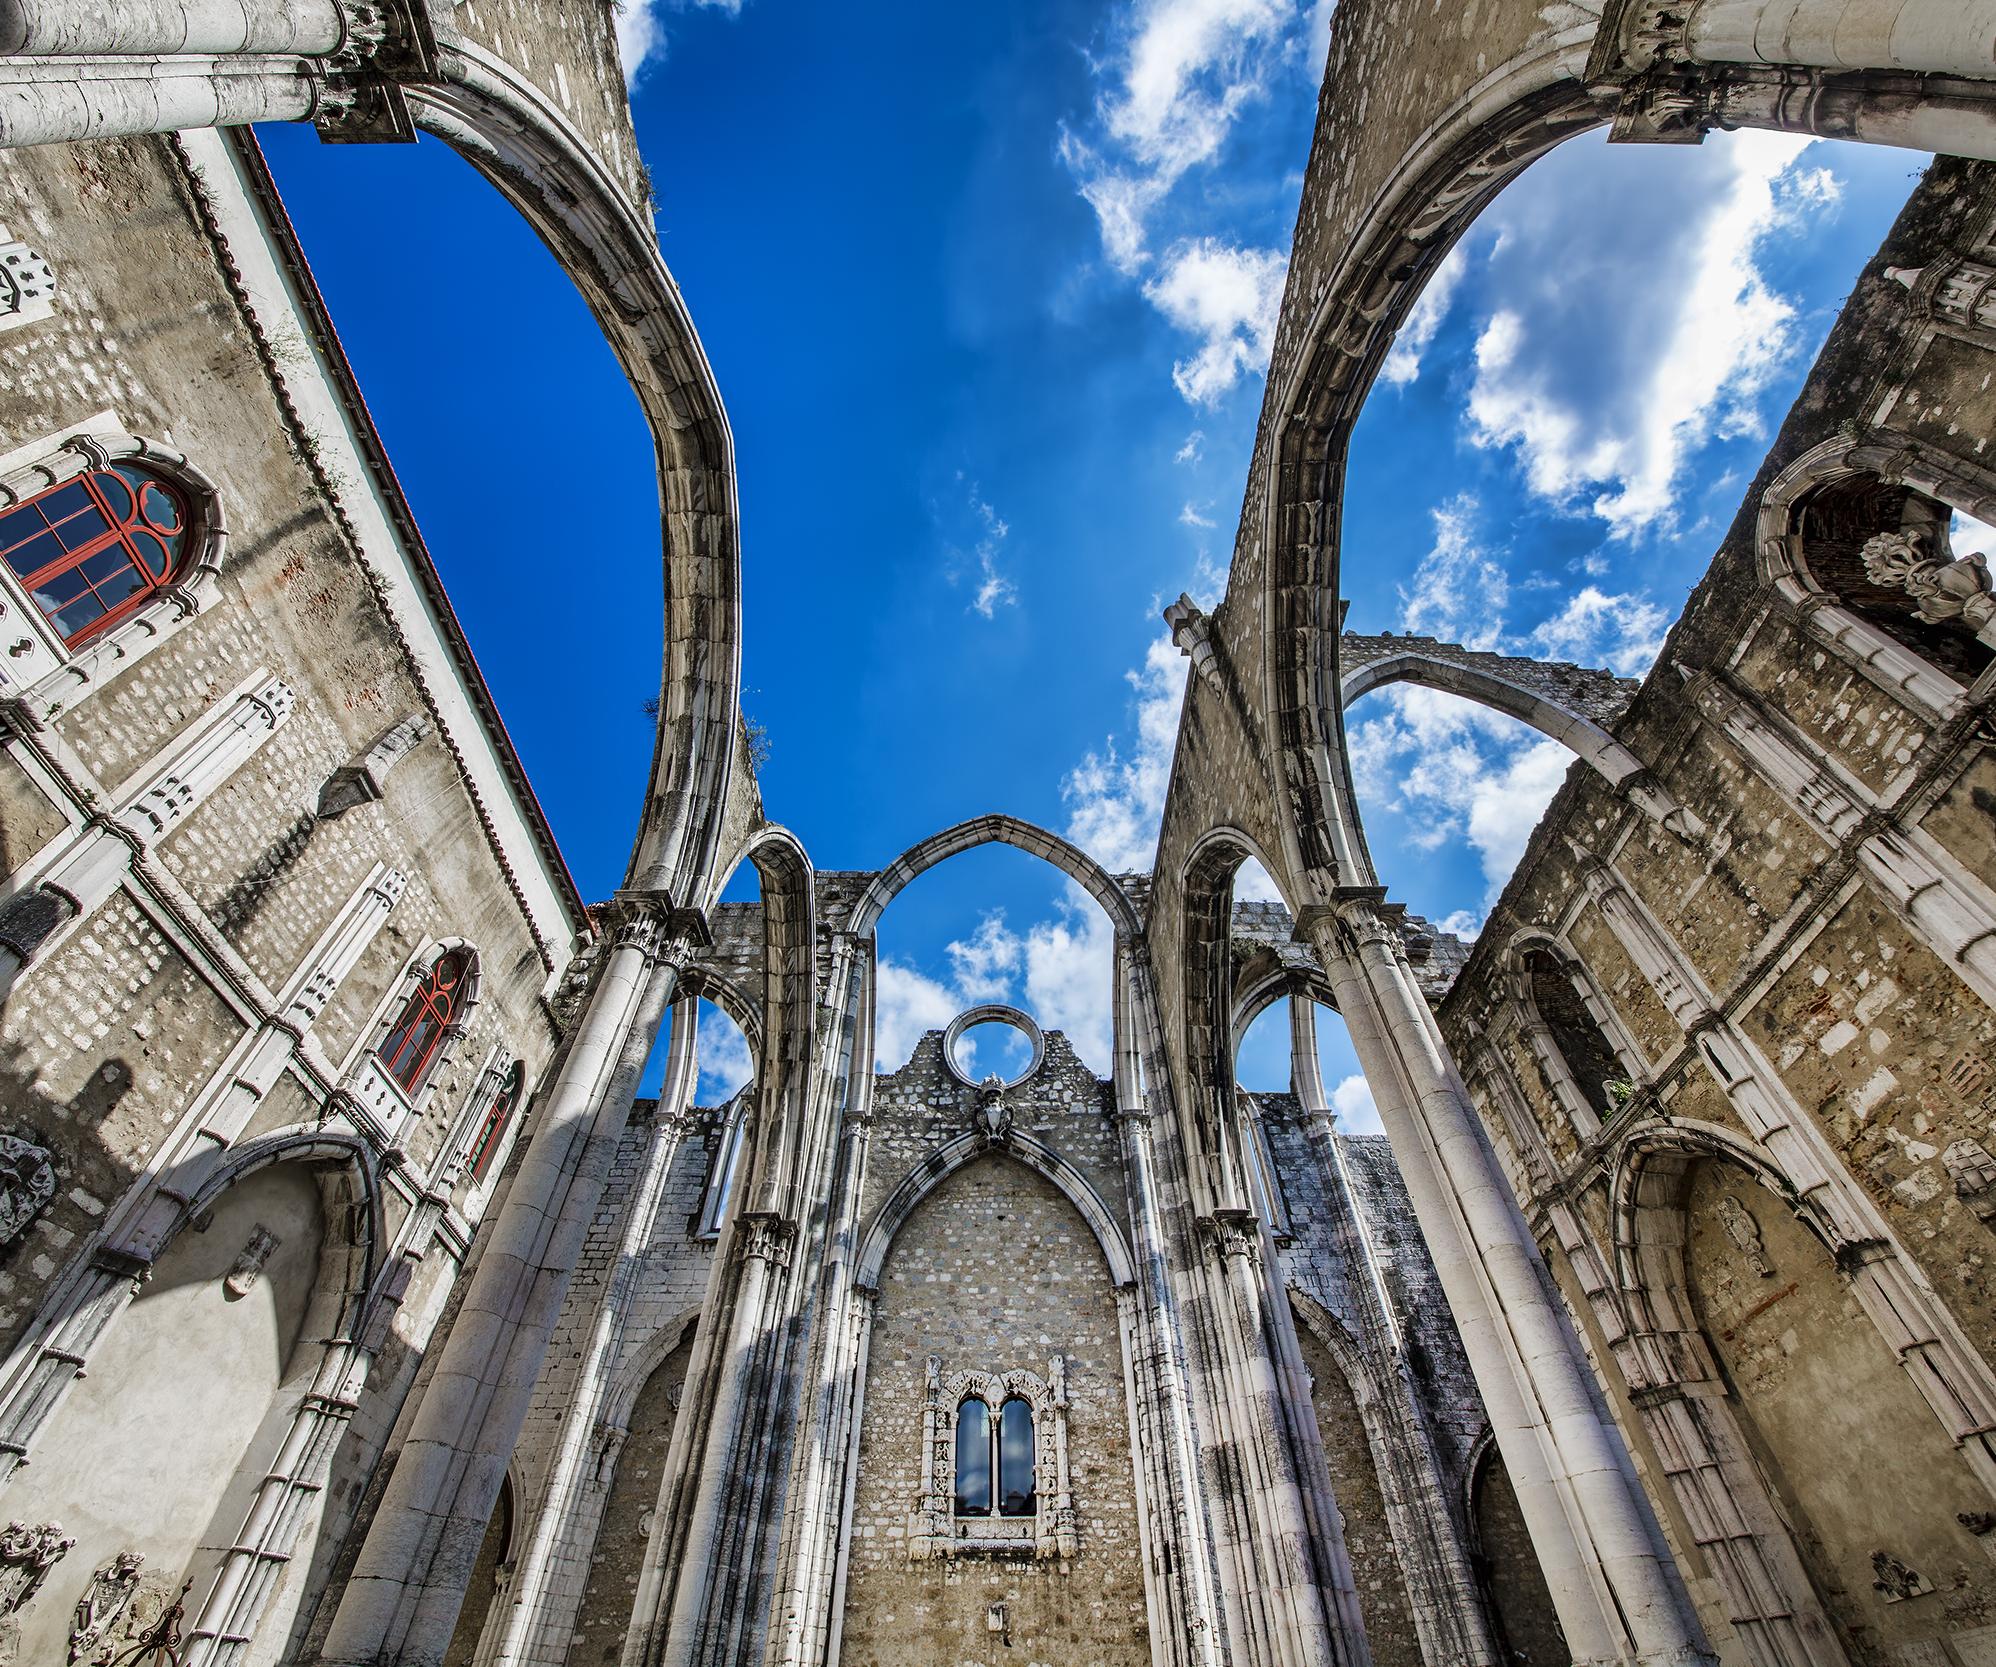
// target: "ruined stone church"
[[353, 1308]]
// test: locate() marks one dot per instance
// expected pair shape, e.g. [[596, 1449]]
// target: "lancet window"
[[94, 549], [411, 1046]]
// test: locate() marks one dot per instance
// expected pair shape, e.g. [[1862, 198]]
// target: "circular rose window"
[[993, 1041]]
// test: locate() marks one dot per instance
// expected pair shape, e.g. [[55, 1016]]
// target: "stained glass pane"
[[1015, 1459], [973, 1460], [160, 509], [65, 501], [59, 588], [152, 552]]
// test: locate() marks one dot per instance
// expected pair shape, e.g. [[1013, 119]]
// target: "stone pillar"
[[401, 1603], [1611, 1576], [120, 28], [1180, 1578], [540, 1612], [1934, 37], [1449, 1613], [116, 98]]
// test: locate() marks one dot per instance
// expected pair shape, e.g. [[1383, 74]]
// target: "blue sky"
[[988, 293]]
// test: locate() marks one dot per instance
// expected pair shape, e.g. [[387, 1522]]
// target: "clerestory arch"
[[1022, 835]]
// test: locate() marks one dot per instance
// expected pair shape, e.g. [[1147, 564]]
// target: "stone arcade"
[[355, 1310]]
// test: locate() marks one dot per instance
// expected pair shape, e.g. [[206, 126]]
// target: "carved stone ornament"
[[27, 1553], [27, 1183], [103, 1604], [934, 1529], [992, 1119], [1973, 1171], [248, 1267], [1744, 1231], [147, 1630], [1896, 1580], [1945, 592]]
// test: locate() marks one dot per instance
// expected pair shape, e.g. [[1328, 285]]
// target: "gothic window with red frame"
[[410, 1048], [497, 1116], [96, 548]]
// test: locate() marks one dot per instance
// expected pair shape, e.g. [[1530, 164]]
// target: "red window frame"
[[496, 1119], [94, 549], [410, 1047]]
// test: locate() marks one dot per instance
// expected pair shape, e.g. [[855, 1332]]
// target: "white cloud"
[[1187, 69], [641, 30], [723, 1052], [1352, 1101], [1624, 633], [1454, 770], [992, 587], [1115, 800], [1191, 451], [984, 966], [1189, 516], [1064, 963], [1070, 974], [1604, 382], [1459, 590], [1417, 335], [1226, 297], [905, 1004]]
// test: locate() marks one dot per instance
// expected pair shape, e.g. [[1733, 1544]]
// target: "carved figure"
[[1896, 1580], [103, 1602], [1945, 591], [27, 1182], [994, 1114], [249, 1263], [1744, 1231]]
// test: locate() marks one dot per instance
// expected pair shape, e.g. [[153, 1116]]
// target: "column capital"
[[1232, 1233]]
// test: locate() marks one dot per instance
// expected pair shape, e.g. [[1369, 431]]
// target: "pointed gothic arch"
[[915, 1186]]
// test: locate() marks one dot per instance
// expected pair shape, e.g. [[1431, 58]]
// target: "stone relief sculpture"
[[103, 1602], [1897, 1580], [1744, 1231], [1946, 592], [27, 1552], [27, 1182], [249, 1263]]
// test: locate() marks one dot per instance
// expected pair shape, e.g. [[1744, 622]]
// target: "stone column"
[[1610, 1574], [121, 28], [540, 1613], [401, 1603]]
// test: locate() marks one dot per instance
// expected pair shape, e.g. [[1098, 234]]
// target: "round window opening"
[[993, 1041]]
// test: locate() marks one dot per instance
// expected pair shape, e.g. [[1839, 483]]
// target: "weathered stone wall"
[[148, 1011], [1814, 1378], [1383, 1599], [995, 1271], [1789, 986], [605, 1615]]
